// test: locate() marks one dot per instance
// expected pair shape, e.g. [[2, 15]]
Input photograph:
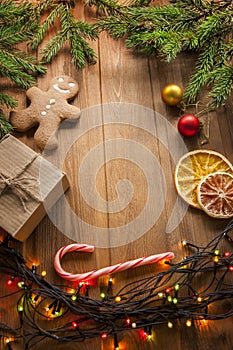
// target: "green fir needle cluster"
[[202, 27], [75, 32], [17, 25]]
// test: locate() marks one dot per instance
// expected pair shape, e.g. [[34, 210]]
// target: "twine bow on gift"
[[20, 186]]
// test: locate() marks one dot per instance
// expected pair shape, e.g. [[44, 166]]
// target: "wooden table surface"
[[126, 148]]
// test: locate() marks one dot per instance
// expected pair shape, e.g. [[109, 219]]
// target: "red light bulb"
[[227, 254], [128, 321], [74, 324]]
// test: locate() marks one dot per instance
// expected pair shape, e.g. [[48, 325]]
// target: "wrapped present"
[[27, 182]]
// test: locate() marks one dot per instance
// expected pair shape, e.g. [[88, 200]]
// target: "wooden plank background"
[[121, 76]]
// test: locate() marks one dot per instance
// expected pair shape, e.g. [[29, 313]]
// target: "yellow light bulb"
[[188, 323], [43, 273], [118, 299], [149, 337], [199, 299], [170, 324], [71, 291]]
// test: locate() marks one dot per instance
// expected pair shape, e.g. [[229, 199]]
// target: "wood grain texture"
[[122, 142]]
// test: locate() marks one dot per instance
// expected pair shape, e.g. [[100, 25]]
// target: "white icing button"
[[60, 80], [52, 101], [71, 84], [47, 106], [43, 113]]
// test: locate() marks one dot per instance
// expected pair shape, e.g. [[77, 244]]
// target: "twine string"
[[21, 186]]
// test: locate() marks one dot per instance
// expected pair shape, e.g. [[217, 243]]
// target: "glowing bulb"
[[170, 324], [7, 340], [216, 252], [188, 323], [47, 309], [175, 300], [43, 273], [9, 282], [230, 268], [74, 297], [134, 325], [128, 321], [71, 290], [21, 284], [169, 298], [184, 243], [227, 254], [74, 324], [177, 287], [20, 308], [118, 299], [199, 299], [102, 295], [160, 295], [184, 266], [168, 290], [216, 259], [104, 335], [149, 337]]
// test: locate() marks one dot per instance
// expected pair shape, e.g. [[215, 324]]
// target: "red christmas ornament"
[[188, 125]]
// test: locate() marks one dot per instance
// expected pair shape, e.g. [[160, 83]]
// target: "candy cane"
[[104, 271]]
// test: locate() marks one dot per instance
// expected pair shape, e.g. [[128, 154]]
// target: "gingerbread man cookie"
[[48, 109]]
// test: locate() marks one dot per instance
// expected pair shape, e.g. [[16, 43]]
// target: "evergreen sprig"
[[201, 27], [17, 25], [107, 7], [5, 125], [76, 33]]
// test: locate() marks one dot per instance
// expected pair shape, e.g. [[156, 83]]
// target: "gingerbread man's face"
[[65, 85]]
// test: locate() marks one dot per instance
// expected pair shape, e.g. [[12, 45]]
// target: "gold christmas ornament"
[[172, 94]]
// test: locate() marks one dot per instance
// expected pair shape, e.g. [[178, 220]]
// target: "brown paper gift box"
[[27, 180]]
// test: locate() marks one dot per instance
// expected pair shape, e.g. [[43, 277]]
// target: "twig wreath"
[[158, 299]]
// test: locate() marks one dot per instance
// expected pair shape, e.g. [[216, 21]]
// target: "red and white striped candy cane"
[[79, 277]]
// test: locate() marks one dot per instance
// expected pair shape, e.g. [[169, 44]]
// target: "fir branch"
[[8, 101], [18, 26], [52, 48], [76, 33], [16, 33], [5, 125], [222, 79], [14, 67], [11, 13], [46, 25], [106, 7], [202, 73], [199, 26]]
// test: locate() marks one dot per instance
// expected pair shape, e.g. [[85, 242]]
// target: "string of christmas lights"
[[189, 290]]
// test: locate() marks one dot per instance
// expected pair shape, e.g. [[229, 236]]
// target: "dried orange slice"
[[215, 195], [193, 167]]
